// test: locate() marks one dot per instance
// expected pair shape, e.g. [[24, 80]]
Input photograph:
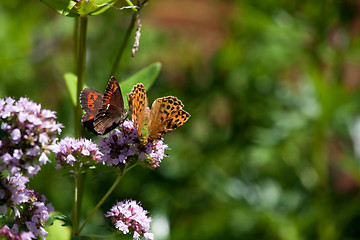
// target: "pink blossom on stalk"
[[70, 151], [27, 131], [129, 216], [30, 210], [8, 235], [13, 192]]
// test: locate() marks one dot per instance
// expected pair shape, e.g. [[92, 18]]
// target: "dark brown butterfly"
[[105, 112]]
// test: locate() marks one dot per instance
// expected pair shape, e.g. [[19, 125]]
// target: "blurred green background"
[[272, 149]]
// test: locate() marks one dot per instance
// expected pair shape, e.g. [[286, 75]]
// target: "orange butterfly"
[[166, 114]]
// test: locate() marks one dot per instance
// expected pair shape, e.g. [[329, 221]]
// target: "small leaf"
[[83, 8], [67, 221], [61, 6], [73, 8], [146, 76], [71, 83], [103, 5], [92, 7]]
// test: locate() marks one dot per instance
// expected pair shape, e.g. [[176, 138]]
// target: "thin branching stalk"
[[75, 216], [124, 43], [80, 70], [76, 39], [130, 3], [79, 178], [116, 182]]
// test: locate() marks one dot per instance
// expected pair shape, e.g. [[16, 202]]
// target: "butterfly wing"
[[112, 112], [138, 105], [91, 102], [166, 115]]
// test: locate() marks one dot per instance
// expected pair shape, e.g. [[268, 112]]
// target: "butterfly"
[[105, 112], [166, 114]]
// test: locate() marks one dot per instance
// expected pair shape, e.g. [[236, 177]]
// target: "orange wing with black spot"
[[166, 115], [138, 106]]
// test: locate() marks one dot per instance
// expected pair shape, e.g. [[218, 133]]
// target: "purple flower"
[[70, 151], [15, 135], [7, 234], [30, 210], [130, 216], [27, 132], [13, 191], [122, 146]]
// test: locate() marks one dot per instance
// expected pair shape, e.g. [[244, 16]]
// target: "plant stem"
[[78, 194], [103, 236], [117, 180], [124, 43], [80, 48], [75, 214], [76, 39], [80, 72], [130, 3]]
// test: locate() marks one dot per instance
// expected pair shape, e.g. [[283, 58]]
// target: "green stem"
[[116, 182], [80, 72], [130, 3], [75, 214], [78, 193], [103, 236], [80, 48], [102, 200], [76, 38], [124, 43]]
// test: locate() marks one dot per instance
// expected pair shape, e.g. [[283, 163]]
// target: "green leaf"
[[56, 229], [71, 83], [92, 7], [61, 6], [145, 76], [67, 221], [83, 8], [71, 8], [100, 9]]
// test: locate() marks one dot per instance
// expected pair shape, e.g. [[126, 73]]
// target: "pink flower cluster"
[[26, 210], [27, 131], [71, 151], [123, 145], [130, 216]]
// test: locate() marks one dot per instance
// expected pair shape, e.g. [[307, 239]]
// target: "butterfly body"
[[165, 115], [144, 132], [105, 112]]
